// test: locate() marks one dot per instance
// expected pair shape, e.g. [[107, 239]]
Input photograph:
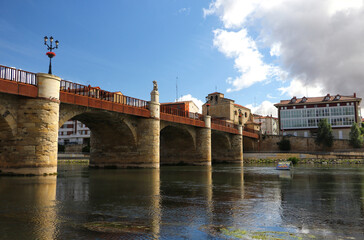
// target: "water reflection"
[[184, 202], [27, 207]]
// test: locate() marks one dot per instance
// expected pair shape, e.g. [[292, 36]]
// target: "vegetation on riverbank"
[[308, 161]]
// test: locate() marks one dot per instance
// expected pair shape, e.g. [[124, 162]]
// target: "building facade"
[[188, 106], [73, 132], [300, 116], [226, 109], [268, 125]]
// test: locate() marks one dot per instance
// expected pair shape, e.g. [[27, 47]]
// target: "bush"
[[86, 149], [324, 134], [356, 139], [294, 160], [284, 144], [61, 148]]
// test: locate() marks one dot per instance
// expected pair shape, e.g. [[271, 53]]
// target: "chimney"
[[355, 95]]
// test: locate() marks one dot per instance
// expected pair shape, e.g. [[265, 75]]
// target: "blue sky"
[[124, 45]]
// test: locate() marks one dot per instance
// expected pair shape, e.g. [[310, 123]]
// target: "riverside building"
[[73, 132], [226, 109], [268, 124], [300, 116]]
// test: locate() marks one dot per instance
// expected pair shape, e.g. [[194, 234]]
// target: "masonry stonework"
[[34, 148]]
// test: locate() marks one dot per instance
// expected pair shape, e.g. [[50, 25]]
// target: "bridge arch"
[[177, 144], [220, 146], [113, 137], [7, 139]]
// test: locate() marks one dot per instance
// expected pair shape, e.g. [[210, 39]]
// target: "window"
[[312, 122], [337, 97]]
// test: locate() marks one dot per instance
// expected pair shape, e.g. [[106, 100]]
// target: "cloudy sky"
[[256, 52]]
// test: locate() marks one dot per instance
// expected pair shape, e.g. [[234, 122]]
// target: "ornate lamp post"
[[240, 117], [50, 54]]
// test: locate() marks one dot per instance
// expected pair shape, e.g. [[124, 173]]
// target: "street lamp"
[[50, 54], [240, 117]]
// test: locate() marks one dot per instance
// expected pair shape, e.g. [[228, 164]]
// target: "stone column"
[[237, 145], [37, 138], [203, 143], [149, 132]]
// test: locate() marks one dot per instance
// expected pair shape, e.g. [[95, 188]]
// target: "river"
[[185, 202]]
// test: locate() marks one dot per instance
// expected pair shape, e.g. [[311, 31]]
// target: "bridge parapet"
[[19, 82], [78, 94]]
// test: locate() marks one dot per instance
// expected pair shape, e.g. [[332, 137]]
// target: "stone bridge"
[[125, 132]]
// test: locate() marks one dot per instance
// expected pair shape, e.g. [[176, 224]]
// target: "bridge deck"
[[19, 82]]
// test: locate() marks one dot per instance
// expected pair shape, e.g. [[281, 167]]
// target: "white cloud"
[[336, 6], [275, 49], [299, 89], [188, 97], [248, 60], [184, 10], [270, 96], [265, 108], [232, 13], [321, 40]]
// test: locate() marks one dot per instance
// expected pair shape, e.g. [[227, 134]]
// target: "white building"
[[301, 116], [73, 132], [268, 124]]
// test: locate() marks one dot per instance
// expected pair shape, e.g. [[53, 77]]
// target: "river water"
[[185, 202]]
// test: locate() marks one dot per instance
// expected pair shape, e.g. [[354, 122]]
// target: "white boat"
[[284, 165]]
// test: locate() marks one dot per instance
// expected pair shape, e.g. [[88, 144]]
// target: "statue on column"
[[155, 86]]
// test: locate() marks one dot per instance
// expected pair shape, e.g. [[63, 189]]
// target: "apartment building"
[[73, 132], [300, 116]]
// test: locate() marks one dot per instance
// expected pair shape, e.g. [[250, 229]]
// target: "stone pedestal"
[[237, 145], [203, 143], [37, 131]]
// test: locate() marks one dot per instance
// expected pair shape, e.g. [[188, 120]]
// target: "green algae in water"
[[232, 233], [116, 227]]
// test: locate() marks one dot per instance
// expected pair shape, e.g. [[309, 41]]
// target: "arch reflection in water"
[[109, 203], [27, 207]]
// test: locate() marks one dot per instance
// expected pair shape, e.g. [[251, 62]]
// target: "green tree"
[[356, 140], [324, 134], [284, 144]]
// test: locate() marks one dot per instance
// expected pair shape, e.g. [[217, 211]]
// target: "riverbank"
[[306, 158]]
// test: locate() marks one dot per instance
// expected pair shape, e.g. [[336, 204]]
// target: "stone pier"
[[203, 143], [35, 150]]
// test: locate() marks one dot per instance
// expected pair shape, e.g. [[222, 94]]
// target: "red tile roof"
[[237, 105], [310, 100]]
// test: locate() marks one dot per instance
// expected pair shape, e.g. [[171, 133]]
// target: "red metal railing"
[[17, 75], [95, 92], [223, 123], [181, 113]]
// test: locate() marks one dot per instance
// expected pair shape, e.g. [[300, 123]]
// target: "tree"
[[284, 144], [324, 134], [356, 140]]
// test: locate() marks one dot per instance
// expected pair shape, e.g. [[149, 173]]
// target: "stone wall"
[[74, 148], [269, 144]]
